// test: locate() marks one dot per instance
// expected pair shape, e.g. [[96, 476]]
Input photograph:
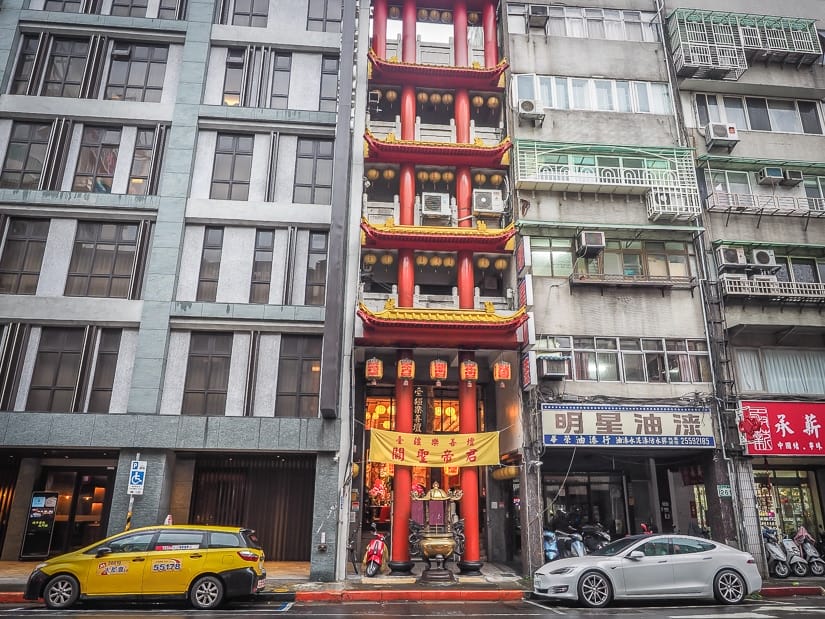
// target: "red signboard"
[[784, 428]]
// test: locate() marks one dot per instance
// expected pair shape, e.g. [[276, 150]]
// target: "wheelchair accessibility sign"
[[137, 477]]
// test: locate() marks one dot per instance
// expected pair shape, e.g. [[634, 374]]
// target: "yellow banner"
[[434, 449]]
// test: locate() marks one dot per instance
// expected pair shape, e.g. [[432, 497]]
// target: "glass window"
[[585, 365], [137, 72], [105, 365], [25, 155], [313, 172], [129, 8], [634, 367], [329, 84], [784, 116], [299, 377], [324, 15], [207, 374], [702, 110], [171, 9], [562, 99], [633, 25], [595, 23], [102, 261], [233, 167], [281, 71], [316, 269], [546, 91], [575, 23], [23, 255], [581, 95], [758, 114], [65, 67], [24, 72], [613, 28], [624, 100], [556, 25], [135, 542], [234, 76], [146, 162], [526, 85], [735, 111], [250, 13], [180, 540], [63, 6], [262, 266], [56, 370], [604, 95], [642, 99], [97, 160], [210, 265], [810, 117]]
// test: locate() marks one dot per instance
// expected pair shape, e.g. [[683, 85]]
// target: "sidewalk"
[[289, 582]]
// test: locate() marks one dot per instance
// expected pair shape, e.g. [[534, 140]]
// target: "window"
[[566, 93], [781, 370], [56, 370], [25, 155], [262, 266], [23, 255], [129, 8], [233, 78], [685, 545], [22, 83], [207, 374], [97, 160], [329, 84], [628, 359], [324, 15], [257, 76], [137, 72], [210, 265], [313, 172], [299, 377], [64, 6], [146, 161], [316, 269], [104, 378], [103, 260], [759, 114], [552, 257], [65, 67], [172, 9], [233, 167], [281, 70], [250, 13], [595, 23], [135, 542], [645, 260]]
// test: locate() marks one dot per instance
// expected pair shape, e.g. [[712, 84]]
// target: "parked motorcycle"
[[594, 536], [809, 551], [799, 566], [778, 564], [570, 544], [551, 546], [374, 557]]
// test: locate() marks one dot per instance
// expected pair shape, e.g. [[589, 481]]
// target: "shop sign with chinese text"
[[783, 428], [434, 450], [626, 426]]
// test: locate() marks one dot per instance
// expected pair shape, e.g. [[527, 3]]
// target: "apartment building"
[[173, 186]]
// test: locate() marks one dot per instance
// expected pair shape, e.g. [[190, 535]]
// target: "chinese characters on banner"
[[434, 450], [626, 426], [784, 428]]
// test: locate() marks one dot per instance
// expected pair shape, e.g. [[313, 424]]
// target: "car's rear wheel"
[[729, 587], [206, 593], [595, 590], [61, 592]]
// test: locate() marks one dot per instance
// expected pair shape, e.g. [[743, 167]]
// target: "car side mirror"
[[636, 554], [103, 551]]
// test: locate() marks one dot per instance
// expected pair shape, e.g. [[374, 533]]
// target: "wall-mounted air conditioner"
[[770, 175], [530, 109], [792, 177], [487, 201], [721, 134], [538, 15], [763, 258], [554, 368], [727, 256], [589, 243], [666, 199], [435, 204]]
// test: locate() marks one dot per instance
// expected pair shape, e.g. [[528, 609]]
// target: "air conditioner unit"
[[529, 109], [792, 177], [666, 198], [734, 281], [435, 204], [721, 134], [538, 15], [770, 176], [487, 201], [589, 243], [763, 258], [730, 256], [552, 367]]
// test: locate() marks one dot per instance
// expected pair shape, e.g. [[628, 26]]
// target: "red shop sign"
[[783, 428]]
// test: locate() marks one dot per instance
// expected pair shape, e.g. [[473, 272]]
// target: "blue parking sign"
[[137, 477]]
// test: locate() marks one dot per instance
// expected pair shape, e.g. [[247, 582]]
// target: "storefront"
[[787, 441]]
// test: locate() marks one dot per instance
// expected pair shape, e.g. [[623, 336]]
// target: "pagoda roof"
[[476, 154], [476, 77], [437, 238], [458, 328]]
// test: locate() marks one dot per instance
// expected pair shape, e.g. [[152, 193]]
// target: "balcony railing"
[[376, 301], [430, 132], [766, 204], [441, 54], [786, 292], [642, 281]]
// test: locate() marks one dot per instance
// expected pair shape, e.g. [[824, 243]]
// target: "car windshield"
[[614, 548]]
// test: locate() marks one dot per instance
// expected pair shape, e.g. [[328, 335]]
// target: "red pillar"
[[465, 274], [460, 41], [488, 21], [379, 28], [406, 197], [462, 116], [468, 424], [402, 481], [406, 278], [408, 23]]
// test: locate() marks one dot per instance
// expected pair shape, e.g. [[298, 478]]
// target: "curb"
[[12, 598], [464, 595], [776, 592]]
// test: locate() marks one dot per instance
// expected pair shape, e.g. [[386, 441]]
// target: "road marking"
[[725, 616], [550, 608]]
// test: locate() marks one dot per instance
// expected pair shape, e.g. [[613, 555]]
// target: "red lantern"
[[502, 372], [469, 372], [374, 370], [438, 371], [406, 370]]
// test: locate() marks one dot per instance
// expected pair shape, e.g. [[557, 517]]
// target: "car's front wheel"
[[729, 587], [61, 592], [206, 593], [595, 590]]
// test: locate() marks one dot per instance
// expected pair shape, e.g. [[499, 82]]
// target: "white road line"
[[725, 616], [550, 608]]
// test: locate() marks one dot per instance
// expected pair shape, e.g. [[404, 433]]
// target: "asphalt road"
[[798, 608]]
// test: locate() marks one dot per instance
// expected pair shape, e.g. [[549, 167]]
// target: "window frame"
[[316, 156], [209, 358], [299, 356], [96, 151], [717, 103], [97, 269], [211, 255], [38, 134], [130, 54], [261, 280], [242, 182], [322, 17], [29, 239], [316, 289]]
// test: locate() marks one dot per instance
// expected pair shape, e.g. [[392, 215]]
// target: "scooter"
[[799, 566], [594, 537], [374, 557], [570, 544], [551, 546], [808, 545], [777, 557]]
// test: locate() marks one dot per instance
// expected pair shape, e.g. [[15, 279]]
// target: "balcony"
[[433, 132], [441, 54], [376, 301], [756, 204], [773, 291], [634, 281]]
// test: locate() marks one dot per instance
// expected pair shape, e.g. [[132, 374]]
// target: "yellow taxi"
[[201, 563]]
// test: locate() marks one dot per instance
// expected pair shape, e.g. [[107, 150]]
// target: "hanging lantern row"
[[502, 372], [435, 176], [480, 178], [499, 264], [468, 371], [436, 98], [435, 260], [374, 370], [371, 259], [374, 174], [406, 370], [433, 15], [492, 102], [438, 371]]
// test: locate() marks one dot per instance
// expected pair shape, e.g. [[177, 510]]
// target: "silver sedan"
[[651, 566]]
